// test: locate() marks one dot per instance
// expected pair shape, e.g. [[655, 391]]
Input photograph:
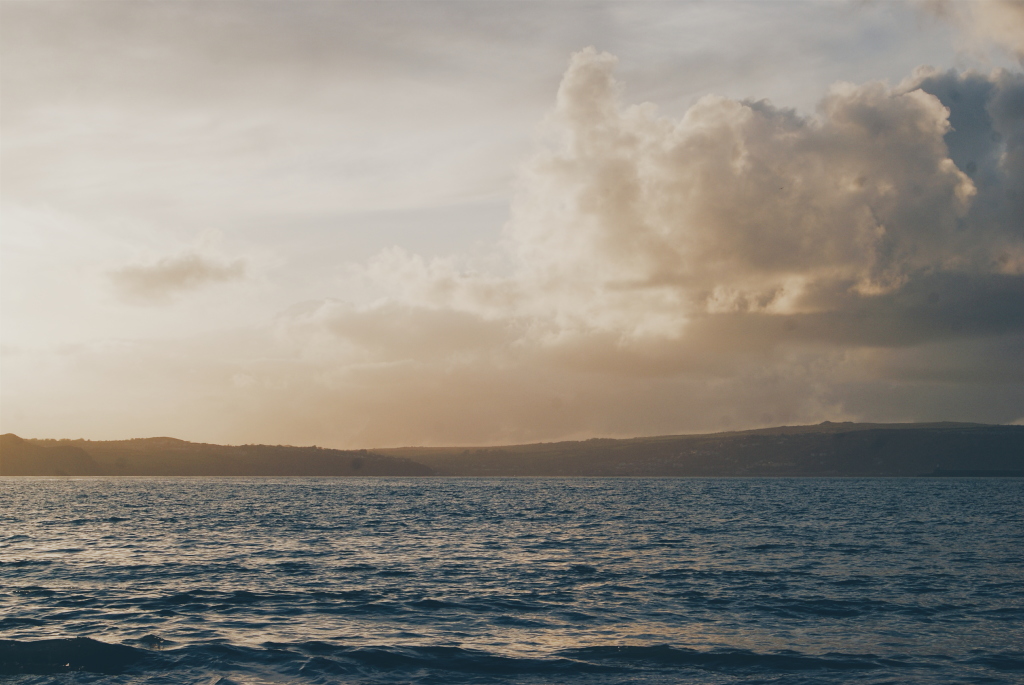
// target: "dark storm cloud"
[[986, 140]]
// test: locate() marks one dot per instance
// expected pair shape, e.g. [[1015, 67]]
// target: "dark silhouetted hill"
[[828, 449], [24, 458], [171, 457]]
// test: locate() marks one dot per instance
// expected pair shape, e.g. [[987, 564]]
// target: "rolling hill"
[[827, 449]]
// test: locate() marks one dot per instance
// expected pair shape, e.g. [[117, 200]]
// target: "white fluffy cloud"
[[739, 203]]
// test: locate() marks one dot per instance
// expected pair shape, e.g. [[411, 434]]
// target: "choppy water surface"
[[512, 581]]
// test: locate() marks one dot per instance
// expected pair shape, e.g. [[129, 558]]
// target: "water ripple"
[[536, 581]]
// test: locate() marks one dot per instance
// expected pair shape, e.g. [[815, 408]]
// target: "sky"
[[367, 224]]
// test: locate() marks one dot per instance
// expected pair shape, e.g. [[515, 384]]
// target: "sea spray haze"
[[149, 580]]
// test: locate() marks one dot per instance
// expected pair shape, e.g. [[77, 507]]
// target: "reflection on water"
[[539, 580]]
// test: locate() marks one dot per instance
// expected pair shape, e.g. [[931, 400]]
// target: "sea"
[[536, 580]]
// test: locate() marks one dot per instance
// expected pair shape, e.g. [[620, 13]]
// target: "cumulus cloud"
[[646, 232], [160, 281], [739, 204]]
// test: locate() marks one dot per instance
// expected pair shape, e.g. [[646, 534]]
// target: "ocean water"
[[175, 580]]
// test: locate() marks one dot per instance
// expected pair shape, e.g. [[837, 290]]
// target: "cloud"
[[986, 140], [1001, 21], [170, 276], [742, 264], [874, 222], [989, 21], [741, 199]]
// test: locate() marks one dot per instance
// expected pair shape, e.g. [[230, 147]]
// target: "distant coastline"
[[826, 449]]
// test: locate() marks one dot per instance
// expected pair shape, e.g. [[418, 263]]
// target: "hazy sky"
[[360, 224]]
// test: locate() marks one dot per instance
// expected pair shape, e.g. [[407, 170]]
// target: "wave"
[[83, 654], [731, 659], [45, 657], [682, 583]]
